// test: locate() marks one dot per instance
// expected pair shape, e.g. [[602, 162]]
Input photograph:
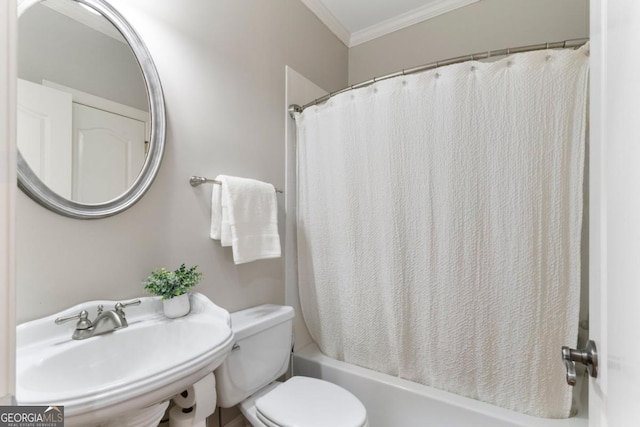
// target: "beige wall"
[[482, 26], [222, 66]]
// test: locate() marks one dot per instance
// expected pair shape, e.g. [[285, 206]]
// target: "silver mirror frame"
[[31, 184]]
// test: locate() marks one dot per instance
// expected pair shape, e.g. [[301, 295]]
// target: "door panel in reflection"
[[108, 153], [44, 134]]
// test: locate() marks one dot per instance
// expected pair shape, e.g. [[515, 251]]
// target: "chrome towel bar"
[[198, 180]]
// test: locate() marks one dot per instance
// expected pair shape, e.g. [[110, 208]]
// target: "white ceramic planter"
[[176, 306]]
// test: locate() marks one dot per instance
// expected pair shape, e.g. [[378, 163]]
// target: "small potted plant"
[[173, 287]]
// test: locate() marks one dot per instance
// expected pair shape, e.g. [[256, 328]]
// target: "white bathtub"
[[393, 402]]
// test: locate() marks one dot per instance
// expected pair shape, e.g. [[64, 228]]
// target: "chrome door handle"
[[588, 357]]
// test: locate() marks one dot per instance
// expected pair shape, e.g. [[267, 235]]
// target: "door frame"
[[8, 188]]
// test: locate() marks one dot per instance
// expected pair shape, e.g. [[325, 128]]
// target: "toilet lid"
[[309, 402]]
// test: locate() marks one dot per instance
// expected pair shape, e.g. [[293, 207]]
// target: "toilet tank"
[[263, 339]]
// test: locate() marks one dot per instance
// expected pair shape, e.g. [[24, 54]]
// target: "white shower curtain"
[[439, 225]]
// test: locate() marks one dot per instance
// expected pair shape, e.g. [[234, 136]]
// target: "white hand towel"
[[216, 211], [220, 228], [252, 211]]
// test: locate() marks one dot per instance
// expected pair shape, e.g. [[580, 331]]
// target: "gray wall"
[[482, 26], [53, 47], [222, 66]]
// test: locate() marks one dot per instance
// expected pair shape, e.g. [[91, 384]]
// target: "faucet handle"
[[83, 320], [121, 305], [119, 309]]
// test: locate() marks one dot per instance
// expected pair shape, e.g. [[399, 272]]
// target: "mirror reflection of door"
[[108, 145], [108, 153], [44, 134], [85, 148]]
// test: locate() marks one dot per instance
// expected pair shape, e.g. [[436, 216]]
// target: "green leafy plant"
[[169, 284]]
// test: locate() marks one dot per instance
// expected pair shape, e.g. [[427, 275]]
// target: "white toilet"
[[260, 355]]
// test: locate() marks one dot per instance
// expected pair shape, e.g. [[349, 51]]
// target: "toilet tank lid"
[[248, 322]]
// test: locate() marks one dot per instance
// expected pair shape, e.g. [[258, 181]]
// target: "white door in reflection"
[[44, 134], [108, 153]]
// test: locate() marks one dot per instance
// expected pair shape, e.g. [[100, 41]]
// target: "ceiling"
[[358, 21]]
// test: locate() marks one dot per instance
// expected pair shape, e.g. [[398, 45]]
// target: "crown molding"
[[321, 11], [385, 27], [407, 19]]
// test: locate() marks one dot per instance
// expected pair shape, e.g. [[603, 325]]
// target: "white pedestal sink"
[[121, 374]]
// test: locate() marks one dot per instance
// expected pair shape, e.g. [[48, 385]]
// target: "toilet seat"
[[310, 402]]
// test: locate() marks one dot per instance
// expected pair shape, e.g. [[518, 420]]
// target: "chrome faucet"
[[104, 322]]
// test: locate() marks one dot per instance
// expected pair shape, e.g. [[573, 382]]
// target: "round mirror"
[[91, 120]]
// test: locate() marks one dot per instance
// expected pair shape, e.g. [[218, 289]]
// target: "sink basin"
[[109, 375]]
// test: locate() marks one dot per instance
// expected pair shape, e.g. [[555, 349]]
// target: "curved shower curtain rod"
[[573, 43]]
